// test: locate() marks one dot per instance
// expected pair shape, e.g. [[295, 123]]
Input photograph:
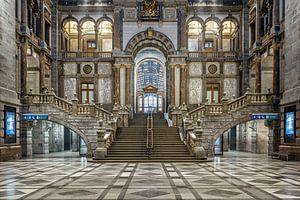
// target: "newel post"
[[75, 105], [199, 149], [225, 100], [101, 150]]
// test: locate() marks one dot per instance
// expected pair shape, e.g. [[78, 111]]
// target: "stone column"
[[244, 33], [117, 84], [26, 139], [29, 11], [42, 14], [258, 73], [258, 29], [182, 27], [55, 44], [177, 85], [203, 37], [183, 89], [97, 39], [172, 85], [128, 85], [24, 46], [276, 49], [42, 71], [117, 28], [24, 12], [79, 39], [220, 39], [123, 85]]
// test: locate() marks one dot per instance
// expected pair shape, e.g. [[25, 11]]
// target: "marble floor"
[[233, 176]]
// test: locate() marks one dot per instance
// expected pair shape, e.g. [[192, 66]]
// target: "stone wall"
[[200, 75], [100, 75], [253, 136], [130, 29], [267, 73], [8, 76], [291, 74], [292, 53]]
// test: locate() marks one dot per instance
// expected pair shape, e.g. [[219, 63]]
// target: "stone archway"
[[75, 129], [150, 38], [125, 64]]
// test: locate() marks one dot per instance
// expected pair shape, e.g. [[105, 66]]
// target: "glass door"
[[218, 147], [150, 102], [213, 93], [87, 93]]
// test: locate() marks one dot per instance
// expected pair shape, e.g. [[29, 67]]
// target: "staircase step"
[[130, 143]]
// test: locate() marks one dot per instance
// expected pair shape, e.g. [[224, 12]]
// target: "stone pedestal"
[[101, 151], [200, 153]]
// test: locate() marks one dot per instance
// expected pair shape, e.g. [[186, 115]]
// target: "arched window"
[[70, 36], [194, 36], [88, 36], [229, 36], [105, 32], [211, 36]]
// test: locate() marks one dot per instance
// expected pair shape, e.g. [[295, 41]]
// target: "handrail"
[[85, 54], [149, 144], [71, 107], [229, 106]]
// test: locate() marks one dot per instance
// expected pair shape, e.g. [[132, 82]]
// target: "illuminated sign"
[[269, 116], [31, 117], [10, 124], [289, 123]]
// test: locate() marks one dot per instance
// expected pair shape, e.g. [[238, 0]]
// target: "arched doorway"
[[150, 83], [55, 139]]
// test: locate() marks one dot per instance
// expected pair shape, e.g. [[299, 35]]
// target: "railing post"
[[100, 151], [199, 149], [75, 105], [175, 114], [225, 103]]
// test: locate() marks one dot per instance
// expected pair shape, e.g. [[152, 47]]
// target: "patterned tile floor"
[[233, 176]]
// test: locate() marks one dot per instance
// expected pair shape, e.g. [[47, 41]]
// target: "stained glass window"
[[150, 73]]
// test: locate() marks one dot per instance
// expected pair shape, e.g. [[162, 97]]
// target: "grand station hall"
[[149, 99]]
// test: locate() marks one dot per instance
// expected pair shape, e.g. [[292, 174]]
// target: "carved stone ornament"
[[149, 10], [87, 69], [212, 69]]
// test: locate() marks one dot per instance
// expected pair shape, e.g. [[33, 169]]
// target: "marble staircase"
[[131, 142]]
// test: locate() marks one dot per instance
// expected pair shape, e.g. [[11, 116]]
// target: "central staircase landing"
[[130, 144]]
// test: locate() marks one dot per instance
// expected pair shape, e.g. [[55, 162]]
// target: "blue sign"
[[270, 116], [289, 123], [10, 124], [31, 117]]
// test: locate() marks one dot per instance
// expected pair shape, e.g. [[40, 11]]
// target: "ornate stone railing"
[[71, 107], [214, 54], [194, 139], [228, 107], [52, 99], [80, 54]]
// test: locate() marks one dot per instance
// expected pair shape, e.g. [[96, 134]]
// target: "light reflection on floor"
[[235, 175]]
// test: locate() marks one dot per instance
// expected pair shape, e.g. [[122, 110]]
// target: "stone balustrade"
[[71, 107], [80, 118], [227, 107], [214, 55], [203, 125], [51, 99], [80, 55]]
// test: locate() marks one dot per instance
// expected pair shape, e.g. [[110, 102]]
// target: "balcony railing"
[[214, 54], [82, 54]]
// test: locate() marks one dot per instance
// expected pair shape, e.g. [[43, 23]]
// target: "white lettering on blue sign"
[[31, 117]]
